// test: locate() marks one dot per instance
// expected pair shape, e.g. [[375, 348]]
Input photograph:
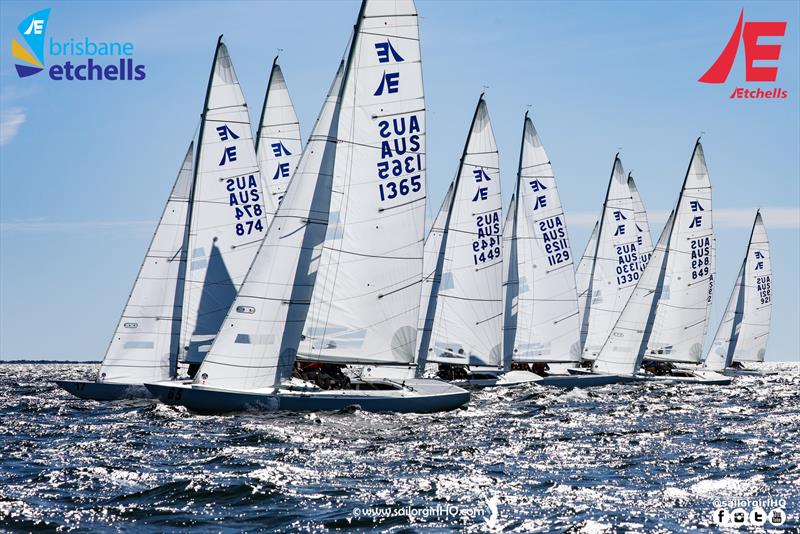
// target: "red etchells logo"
[[749, 32]]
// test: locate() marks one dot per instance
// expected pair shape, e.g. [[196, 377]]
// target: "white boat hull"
[[509, 379], [413, 396], [709, 378]]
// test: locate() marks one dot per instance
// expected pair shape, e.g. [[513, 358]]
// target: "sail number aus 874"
[[244, 197]]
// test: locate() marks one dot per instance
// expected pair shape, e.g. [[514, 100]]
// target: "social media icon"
[[720, 516], [777, 516], [758, 516], [739, 516]]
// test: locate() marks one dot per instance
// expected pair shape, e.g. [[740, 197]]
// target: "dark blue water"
[[619, 458]]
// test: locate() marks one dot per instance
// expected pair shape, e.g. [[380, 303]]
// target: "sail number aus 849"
[[701, 257]]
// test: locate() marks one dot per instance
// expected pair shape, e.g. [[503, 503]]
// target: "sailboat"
[[146, 341], [743, 331], [334, 289], [229, 207], [614, 269], [461, 326], [278, 142], [666, 317], [203, 245], [541, 326]]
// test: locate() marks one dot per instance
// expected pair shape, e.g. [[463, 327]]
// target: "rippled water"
[[639, 457]]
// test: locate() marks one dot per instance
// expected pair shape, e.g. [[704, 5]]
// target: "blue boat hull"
[[422, 396], [104, 391]]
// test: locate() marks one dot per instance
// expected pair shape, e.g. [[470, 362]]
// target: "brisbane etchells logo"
[[32, 30], [749, 32], [72, 59]]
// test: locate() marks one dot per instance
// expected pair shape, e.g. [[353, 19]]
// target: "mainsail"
[[742, 334], [666, 316], [541, 321], [465, 310], [615, 269], [227, 217], [257, 344], [278, 144], [644, 240], [146, 342], [365, 302]]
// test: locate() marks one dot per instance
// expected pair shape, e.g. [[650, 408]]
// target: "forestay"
[[257, 344], [742, 334], [467, 316], [615, 270], [541, 322], [278, 143], [365, 302], [146, 342], [227, 220]]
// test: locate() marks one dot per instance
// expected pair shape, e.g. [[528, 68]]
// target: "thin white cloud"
[[10, 121], [774, 217]]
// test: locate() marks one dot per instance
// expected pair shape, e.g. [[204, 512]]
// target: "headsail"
[[583, 272], [365, 302], [432, 266], [227, 220], [544, 325], [742, 334], [257, 345], [681, 318], [146, 342], [615, 269], [467, 313], [278, 144]]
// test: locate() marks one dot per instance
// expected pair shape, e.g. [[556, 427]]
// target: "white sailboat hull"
[[409, 396], [709, 378], [104, 391], [509, 379]]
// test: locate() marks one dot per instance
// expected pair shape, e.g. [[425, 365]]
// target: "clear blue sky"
[[85, 167]]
